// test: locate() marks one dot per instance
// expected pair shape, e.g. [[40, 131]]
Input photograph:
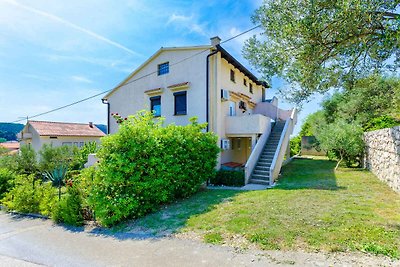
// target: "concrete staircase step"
[[258, 181]]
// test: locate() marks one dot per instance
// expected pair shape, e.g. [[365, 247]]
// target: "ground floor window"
[[180, 103], [155, 105]]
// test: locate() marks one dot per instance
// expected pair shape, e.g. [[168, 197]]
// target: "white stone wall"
[[382, 155]]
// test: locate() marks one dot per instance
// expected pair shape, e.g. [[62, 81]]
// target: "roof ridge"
[[62, 122]]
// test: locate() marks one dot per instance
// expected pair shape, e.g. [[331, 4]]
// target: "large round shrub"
[[145, 165]]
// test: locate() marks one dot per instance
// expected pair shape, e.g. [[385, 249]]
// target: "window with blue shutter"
[[180, 103], [155, 105]]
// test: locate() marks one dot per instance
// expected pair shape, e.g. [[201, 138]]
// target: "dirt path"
[[25, 242]]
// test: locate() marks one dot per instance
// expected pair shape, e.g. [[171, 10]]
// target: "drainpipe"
[[207, 87], [105, 101]]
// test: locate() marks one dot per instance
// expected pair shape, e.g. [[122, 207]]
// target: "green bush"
[[145, 165], [7, 178], [49, 199], [295, 145], [25, 196], [381, 122], [69, 209], [228, 178]]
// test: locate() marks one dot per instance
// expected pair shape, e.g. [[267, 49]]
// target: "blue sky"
[[53, 53]]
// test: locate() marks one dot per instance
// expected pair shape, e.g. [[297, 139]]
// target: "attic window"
[[232, 75], [251, 88], [53, 137], [163, 68], [244, 82]]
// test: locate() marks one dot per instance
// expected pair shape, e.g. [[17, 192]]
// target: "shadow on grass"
[[309, 174], [169, 219]]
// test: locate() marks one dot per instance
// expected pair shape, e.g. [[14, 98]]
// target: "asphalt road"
[[27, 241]]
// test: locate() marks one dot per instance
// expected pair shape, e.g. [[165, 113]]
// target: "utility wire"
[[134, 80]]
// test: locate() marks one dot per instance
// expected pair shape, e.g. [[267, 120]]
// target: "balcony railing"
[[247, 124]]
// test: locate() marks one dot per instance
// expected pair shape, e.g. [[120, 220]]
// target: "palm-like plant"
[[57, 177]]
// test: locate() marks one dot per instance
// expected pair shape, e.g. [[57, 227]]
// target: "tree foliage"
[[316, 45], [343, 139], [372, 102]]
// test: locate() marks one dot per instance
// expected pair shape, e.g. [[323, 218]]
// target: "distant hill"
[[9, 131], [102, 127]]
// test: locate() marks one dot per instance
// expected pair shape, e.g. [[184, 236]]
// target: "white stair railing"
[[282, 146]]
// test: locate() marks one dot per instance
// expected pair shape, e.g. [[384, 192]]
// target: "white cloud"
[[82, 79], [179, 18], [189, 23], [71, 25]]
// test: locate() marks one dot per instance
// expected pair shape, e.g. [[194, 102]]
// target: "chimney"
[[215, 40], [90, 124]]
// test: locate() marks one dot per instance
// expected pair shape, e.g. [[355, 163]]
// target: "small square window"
[[155, 105], [251, 88], [244, 82], [232, 75], [180, 107], [163, 68]]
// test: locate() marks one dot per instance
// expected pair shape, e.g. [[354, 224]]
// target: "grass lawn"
[[313, 208]]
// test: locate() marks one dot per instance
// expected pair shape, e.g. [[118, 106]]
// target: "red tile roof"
[[10, 145], [49, 128]]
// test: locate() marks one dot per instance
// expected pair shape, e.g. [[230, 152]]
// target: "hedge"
[[228, 178], [145, 164]]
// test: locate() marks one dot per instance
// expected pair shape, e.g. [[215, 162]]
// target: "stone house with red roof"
[[38, 133]]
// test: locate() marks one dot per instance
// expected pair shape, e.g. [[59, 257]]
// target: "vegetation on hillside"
[[9, 131]]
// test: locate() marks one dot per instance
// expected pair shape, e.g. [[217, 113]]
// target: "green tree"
[[373, 102], [26, 161], [316, 45], [343, 139]]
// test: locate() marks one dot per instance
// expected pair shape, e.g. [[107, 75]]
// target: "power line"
[[134, 80]]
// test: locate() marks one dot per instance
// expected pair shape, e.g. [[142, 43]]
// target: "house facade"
[[38, 133], [207, 82]]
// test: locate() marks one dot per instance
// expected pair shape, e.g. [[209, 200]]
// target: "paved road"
[[27, 241]]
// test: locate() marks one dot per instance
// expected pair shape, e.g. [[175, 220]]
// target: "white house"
[[209, 83], [38, 133]]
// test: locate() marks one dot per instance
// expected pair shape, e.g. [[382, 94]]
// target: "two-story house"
[[209, 83]]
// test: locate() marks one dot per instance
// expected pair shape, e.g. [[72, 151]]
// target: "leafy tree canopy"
[[316, 45], [373, 102]]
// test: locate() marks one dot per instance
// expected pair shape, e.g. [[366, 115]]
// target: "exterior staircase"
[[261, 171]]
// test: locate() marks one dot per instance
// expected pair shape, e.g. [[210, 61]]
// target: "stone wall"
[[382, 155]]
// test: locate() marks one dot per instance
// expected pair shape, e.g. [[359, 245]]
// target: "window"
[[251, 88], [232, 75], [232, 108], [180, 103], [244, 82], [67, 143], [155, 105], [163, 68]]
